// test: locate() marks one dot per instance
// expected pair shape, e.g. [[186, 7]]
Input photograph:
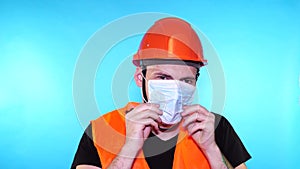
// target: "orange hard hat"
[[170, 40]]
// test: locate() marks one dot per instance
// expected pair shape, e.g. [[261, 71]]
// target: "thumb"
[[147, 131]]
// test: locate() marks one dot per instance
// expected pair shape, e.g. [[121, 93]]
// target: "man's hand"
[[139, 123], [200, 125]]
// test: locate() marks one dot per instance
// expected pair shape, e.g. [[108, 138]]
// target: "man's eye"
[[189, 81], [162, 77]]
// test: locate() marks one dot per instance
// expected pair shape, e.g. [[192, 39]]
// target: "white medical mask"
[[171, 95]]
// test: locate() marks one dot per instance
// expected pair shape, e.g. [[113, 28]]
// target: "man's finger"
[[195, 117], [192, 128], [187, 110], [149, 106], [147, 114], [150, 122]]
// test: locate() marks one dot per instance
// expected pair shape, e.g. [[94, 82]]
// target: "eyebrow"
[[169, 76], [163, 74], [187, 78]]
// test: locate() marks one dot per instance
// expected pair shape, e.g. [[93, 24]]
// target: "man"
[[166, 130]]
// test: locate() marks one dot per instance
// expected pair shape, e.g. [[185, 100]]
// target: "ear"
[[138, 77]]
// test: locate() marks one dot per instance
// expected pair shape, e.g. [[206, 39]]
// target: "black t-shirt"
[[225, 136]]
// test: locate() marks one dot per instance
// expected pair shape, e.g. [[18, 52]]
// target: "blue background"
[[258, 43]]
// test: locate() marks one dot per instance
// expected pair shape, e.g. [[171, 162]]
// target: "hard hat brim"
[[149, 62]]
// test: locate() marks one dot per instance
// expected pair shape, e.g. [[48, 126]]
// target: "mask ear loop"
[[144, 94], [198, 74]]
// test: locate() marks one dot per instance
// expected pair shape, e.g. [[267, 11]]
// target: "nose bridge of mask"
[[170, 89], [163, 90]]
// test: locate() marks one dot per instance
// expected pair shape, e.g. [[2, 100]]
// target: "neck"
[[167, 133]]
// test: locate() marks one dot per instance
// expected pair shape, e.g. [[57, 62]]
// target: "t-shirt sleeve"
[[229, 142], [86, 152]]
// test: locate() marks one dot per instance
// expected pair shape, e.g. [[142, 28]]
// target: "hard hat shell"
[[170, 40]]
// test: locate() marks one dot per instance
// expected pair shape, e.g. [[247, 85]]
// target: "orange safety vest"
[[109, 136]]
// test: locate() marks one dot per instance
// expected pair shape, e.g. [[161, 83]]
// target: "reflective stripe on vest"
[[109, 136]]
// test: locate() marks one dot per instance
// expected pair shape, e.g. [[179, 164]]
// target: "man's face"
[[183, 73]]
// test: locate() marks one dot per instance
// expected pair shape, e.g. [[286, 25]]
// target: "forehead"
[[173, 70]]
